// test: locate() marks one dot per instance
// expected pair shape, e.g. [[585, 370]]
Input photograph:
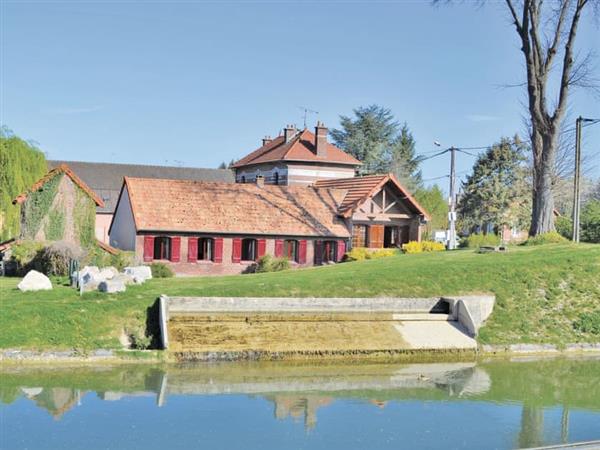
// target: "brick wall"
[[227, 267]]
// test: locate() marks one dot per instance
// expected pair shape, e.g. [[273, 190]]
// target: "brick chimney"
[[266, 140], [260, 181], [289, 132], [321, 140]]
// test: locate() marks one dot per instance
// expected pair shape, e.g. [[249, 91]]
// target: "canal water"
[[496, 404]]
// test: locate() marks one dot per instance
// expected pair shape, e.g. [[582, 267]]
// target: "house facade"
[[296, 158], [106, 179], [204, 228], [59, 207]]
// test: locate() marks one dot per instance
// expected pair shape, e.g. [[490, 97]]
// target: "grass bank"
[[541, 292]]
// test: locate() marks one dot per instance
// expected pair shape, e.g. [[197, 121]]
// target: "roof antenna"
[[306, 112]]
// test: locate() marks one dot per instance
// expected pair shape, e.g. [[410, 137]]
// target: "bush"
[[362, 253], [161, 270], [477, 240], [590, 222], [55, 258], [588, 322], [551, 237], [25, 251], [267, 263], [564, 226], [423, 246]]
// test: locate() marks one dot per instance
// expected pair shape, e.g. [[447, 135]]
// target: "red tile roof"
[[63, 168], [359, 189], [300, 148], [213, 207]]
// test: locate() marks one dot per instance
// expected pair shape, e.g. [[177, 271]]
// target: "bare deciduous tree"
[[545, 31]]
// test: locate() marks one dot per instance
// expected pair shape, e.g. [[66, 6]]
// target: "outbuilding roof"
[[359, 189], [300, 148], [106, 179], [209, 207], [61, 169]]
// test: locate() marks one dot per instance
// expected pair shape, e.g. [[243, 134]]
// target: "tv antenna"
[[306, 112]]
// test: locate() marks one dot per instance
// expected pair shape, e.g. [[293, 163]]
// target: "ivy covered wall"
[[21, 165], [84, 216], [36, 208]]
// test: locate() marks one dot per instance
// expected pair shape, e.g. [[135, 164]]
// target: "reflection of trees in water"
[[56, 401], [298, 407], [532, 427]]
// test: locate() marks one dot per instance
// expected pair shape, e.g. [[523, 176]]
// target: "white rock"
[[89, 278], [142, 273], [35, 281], [111, 286], [108, 273], [124, 278]]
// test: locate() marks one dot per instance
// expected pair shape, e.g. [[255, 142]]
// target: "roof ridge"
[[61, 161]]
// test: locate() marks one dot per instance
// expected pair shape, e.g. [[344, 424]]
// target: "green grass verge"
[[541, 292]]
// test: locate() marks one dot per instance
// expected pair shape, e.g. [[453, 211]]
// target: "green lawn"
[[540, 292]]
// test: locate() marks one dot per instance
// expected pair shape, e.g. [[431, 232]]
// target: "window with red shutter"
[[261, 247], [278, 248], [218, 250], [175, 249], [148, 248], [236, 251], [302, 252], [341, 250], [192, 249], [318, 252]]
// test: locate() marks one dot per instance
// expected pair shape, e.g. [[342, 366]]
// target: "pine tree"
[[497, 192], [375, 138]]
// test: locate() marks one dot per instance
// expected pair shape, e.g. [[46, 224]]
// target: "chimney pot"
[[321, 140], [266, 140]]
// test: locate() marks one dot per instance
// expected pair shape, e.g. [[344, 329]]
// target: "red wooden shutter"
[[175, 249], [341, 250], [261, 246], [192, 249], [218, 257], [302, 252], [148, 248], [236, 251], [318, 252], [278, 248]]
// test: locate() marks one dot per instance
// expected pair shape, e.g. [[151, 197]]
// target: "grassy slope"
[[540, 292]]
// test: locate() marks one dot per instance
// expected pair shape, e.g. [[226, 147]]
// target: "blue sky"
[[197, 83]]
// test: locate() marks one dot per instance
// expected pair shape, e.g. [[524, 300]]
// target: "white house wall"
[[122, 234]]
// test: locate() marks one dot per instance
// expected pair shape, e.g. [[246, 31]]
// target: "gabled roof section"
[[61, 169], [106, 179], [359, 189], [186, 206], [300, 148]]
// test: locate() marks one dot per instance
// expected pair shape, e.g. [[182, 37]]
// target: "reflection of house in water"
[[299, 407], [56, 401]]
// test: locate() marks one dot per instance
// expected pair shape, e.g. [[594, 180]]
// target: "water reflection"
[[301, 391]]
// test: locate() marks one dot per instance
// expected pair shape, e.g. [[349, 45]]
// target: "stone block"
[[35, 281], [141, 273], [111, 286]]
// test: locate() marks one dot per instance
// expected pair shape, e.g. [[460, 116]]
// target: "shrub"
[[551, 237], [564, 227], [25, 251], [362, 253], [161, 270], [55, 258], [588, 322], [477, 240], [423, 246], [267, 263], [590, 222], [101, 258]]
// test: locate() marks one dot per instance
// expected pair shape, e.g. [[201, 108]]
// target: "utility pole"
[[577, 178], [452, 202]]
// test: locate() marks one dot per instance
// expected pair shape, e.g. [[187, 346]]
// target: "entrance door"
[[376, 236]]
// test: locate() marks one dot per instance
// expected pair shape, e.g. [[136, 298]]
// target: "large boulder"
[[139, 273], [108, 273], [89, 278], [124, 278], [111, 286], [35, 281]]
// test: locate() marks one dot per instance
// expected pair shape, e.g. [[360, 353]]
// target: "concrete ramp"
[[257, 328]]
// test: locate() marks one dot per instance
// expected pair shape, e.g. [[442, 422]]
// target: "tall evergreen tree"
[[497, 192], [374, 137], [403, 162]]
